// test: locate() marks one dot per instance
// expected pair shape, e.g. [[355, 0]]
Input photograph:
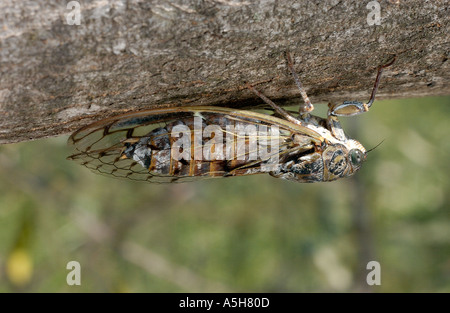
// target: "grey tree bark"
[[131, 55]]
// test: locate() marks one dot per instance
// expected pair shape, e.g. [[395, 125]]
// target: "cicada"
[[188, 143]]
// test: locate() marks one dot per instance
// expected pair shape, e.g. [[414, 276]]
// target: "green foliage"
[[255, 234]]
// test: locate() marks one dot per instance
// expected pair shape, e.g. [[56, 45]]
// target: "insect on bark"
[[188, 143]]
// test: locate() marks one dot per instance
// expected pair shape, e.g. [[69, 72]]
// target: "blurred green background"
[[241, 234]]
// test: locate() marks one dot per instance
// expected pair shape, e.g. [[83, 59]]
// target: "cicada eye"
[[356, 157]]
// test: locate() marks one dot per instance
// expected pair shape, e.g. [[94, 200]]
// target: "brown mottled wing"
[[99, 146]]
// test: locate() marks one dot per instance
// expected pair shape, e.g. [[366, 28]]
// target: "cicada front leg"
[[350, 108]]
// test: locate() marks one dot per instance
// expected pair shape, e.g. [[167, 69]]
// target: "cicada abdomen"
[[206, 145]]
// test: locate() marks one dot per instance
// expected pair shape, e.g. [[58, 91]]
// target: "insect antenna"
[[375, 146]]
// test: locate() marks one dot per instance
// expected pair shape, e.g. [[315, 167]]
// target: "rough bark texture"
[[131, 55]]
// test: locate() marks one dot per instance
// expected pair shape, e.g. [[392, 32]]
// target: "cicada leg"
[[304, 109], [275, 106], [307, 106], [349, 108]]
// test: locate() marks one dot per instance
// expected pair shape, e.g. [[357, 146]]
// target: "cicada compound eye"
[[356, 157]]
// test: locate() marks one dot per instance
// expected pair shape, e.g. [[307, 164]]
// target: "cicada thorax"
[[205, 145], [336, 162], [303, 163], [316, 165]]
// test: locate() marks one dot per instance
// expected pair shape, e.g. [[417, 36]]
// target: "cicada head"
[[342, 160]]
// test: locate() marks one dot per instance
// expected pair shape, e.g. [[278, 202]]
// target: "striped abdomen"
[[208, 145]]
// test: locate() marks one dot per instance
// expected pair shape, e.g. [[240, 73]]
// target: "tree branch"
[[131, 55]]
